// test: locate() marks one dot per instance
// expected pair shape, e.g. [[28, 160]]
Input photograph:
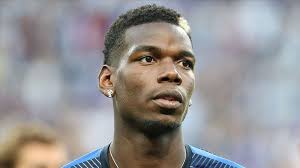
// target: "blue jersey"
[[195, 158]]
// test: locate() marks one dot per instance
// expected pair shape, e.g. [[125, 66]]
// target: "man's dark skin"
[[152, 82]]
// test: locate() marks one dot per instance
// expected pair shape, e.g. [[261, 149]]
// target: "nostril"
[[177, 80], [165, 79]]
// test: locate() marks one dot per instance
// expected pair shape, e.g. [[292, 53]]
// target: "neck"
[[132, 148]]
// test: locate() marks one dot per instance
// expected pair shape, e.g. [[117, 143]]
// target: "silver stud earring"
[[110, 92], [190, 103]]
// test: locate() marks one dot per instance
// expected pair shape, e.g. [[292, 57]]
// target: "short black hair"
[[114, 38]]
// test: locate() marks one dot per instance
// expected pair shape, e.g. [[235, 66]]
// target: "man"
[[148, 73], [32, 147]]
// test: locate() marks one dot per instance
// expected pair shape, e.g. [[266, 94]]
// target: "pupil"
[[148, 59], [185, 64]]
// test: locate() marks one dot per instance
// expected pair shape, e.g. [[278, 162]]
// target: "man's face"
[[155, 79], [38, 155]]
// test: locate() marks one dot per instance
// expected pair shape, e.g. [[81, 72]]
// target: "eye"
[[147, 59], [187, 64]]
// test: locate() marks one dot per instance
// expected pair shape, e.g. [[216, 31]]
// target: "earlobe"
[[105, 80]]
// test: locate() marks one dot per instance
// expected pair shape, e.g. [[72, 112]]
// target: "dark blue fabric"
[[196, 158]]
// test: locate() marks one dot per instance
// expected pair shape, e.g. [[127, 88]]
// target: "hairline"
[[116, 56]]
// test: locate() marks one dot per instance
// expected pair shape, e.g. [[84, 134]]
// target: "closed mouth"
[[170, 96], [168, 99]]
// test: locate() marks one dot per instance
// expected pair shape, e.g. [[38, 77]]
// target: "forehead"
[[159, 34]]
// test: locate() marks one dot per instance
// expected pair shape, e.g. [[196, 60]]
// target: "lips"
[[168, 99]]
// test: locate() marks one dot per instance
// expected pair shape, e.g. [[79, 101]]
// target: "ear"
[[105, 79]]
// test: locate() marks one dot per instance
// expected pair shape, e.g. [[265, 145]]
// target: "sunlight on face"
[[38, 155]]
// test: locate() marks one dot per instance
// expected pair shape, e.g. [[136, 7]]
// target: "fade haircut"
[[115, 37]]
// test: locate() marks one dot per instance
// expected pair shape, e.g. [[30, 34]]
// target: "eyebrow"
[[157, 50], [185, 53], [146, 48]]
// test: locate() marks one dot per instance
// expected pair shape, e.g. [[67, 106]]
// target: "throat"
[[147, 160], [138, 150]]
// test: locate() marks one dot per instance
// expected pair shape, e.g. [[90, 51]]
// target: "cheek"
[[130, 83], [192, 86], [189, 84]]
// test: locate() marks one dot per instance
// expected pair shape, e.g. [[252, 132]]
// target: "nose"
[[169, 73]]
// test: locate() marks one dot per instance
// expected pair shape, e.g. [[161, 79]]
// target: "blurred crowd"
[[247, 96], [32, 146]]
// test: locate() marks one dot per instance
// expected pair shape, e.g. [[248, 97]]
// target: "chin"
[[153, 127], [156, 128]]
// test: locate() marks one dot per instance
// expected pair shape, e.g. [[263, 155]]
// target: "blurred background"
[[247, 97]]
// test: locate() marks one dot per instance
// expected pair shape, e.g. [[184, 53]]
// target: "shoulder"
[[91, 159], [206, 159]]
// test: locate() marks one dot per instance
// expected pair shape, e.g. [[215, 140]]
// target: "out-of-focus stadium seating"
[[247, 98]]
